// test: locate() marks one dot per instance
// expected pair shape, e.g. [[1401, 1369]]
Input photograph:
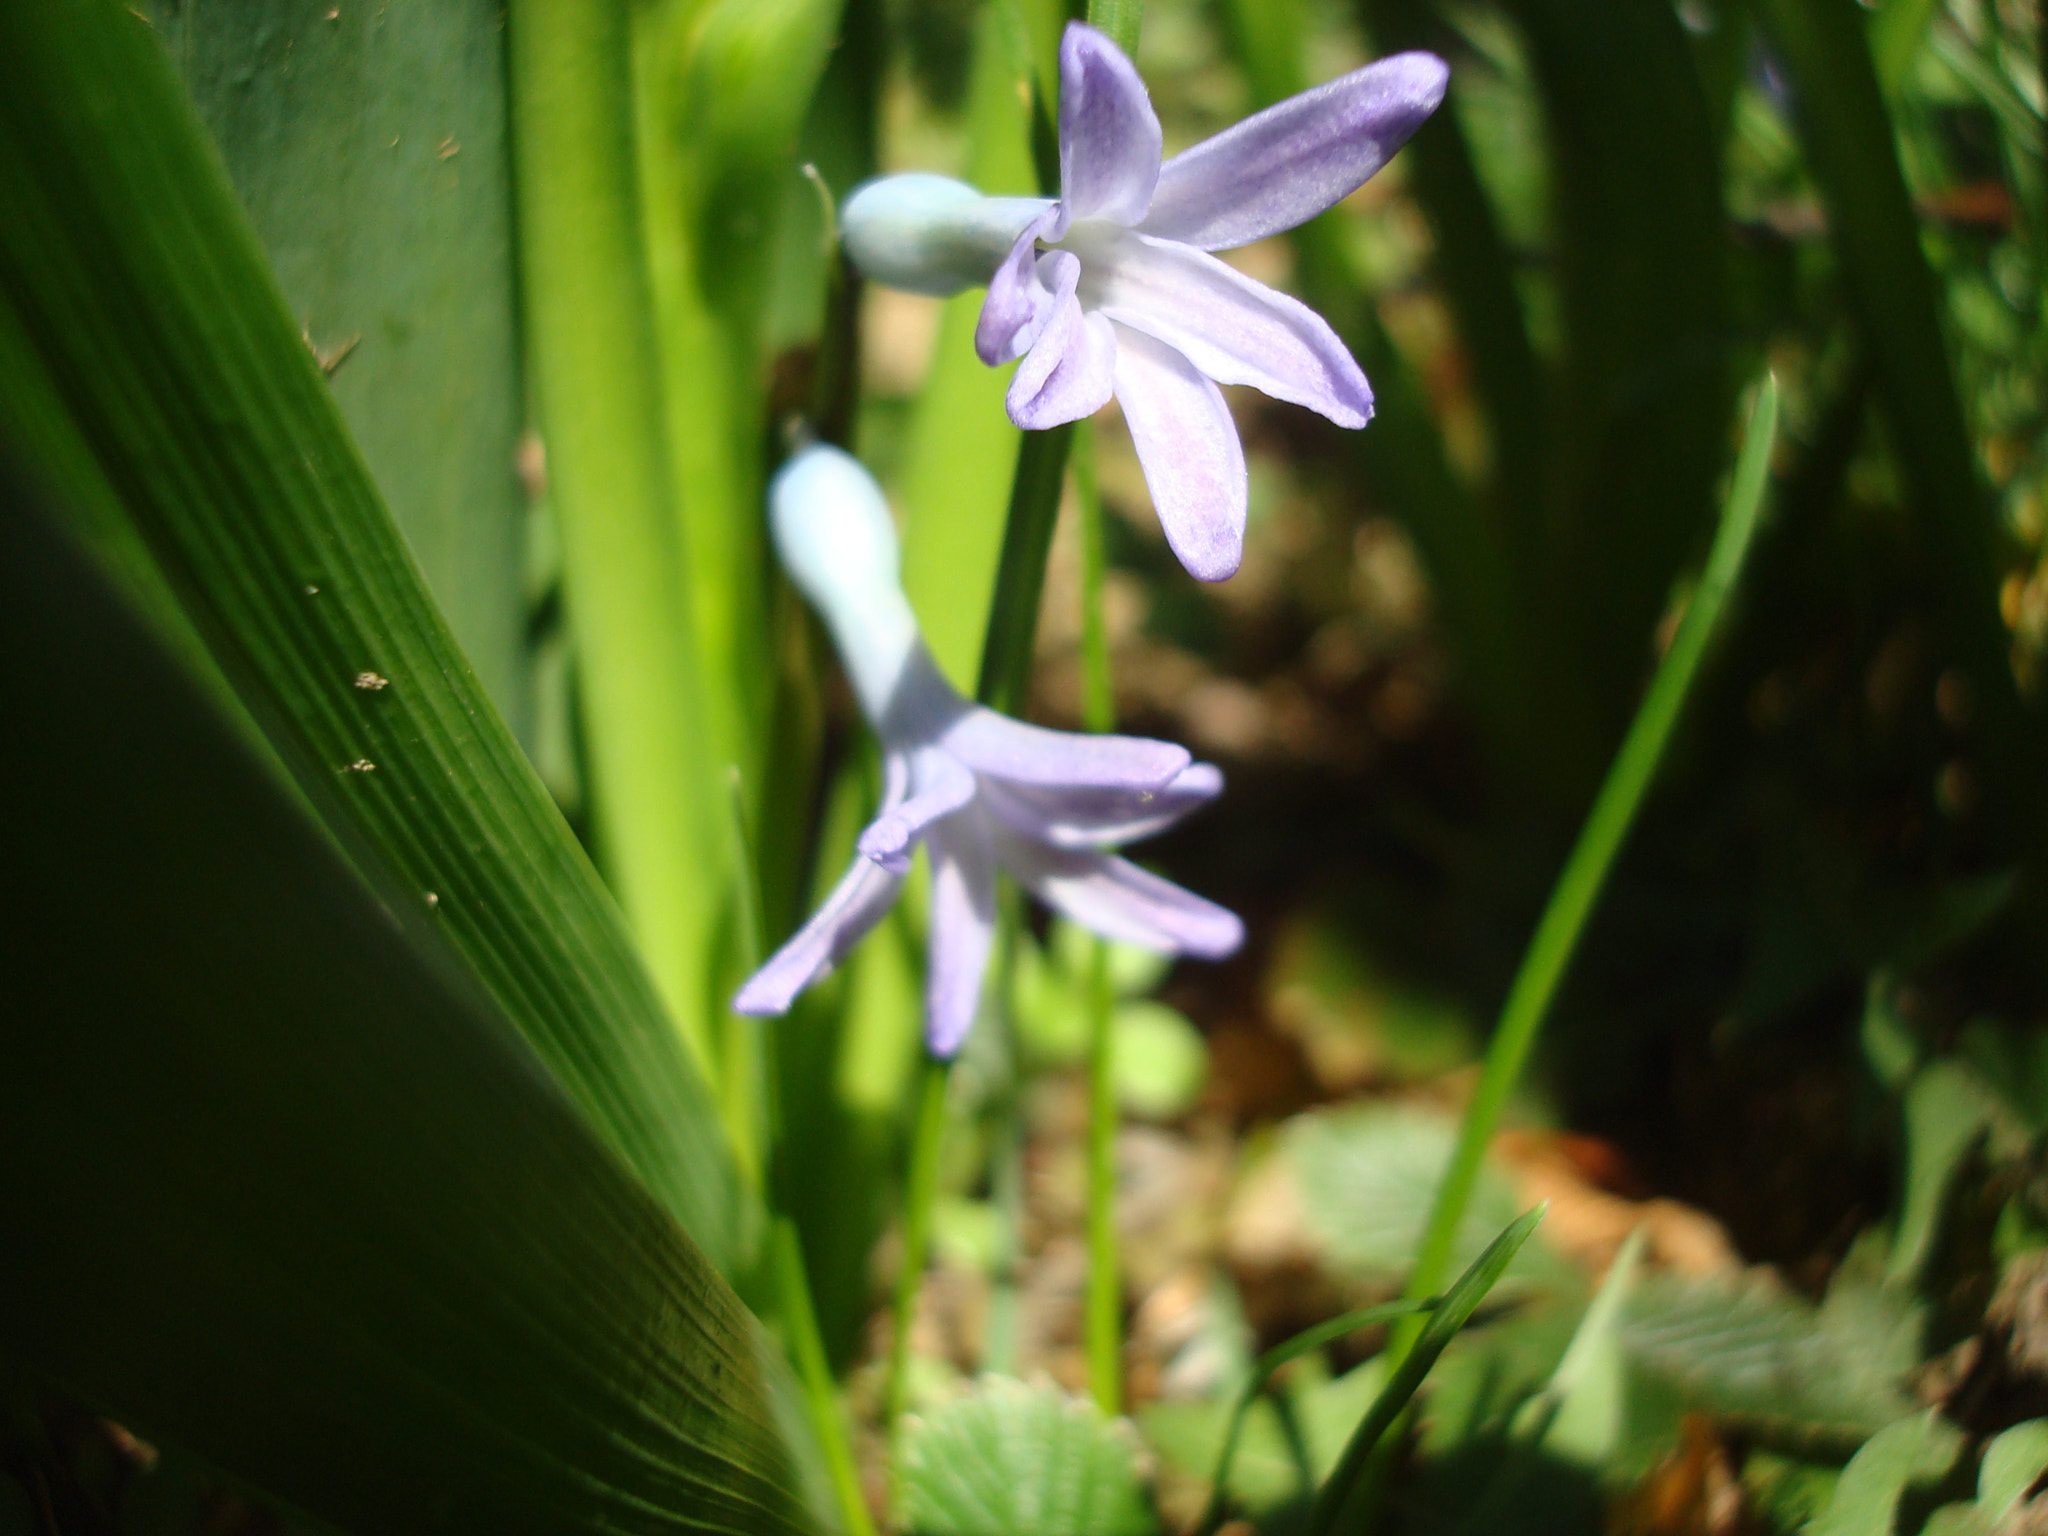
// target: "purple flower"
[[1111, 290], [978, 789]]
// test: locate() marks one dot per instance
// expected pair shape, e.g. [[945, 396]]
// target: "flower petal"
[[1096, 817], [1003, 748], [1069, 374], [864, 894], [1234, 329], [1118, 900], [1019, 302], [1109, 134], [1288, 163], [963, 922], [1188, 447], [943, 785]]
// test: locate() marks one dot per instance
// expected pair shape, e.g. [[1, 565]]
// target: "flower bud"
[[931, 234], [833, 532]]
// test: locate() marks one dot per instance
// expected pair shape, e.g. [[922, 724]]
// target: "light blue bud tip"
[[931, 234], [832, 529]]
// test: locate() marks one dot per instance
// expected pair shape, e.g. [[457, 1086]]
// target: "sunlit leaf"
[[282, 1185], [1010, 1458]]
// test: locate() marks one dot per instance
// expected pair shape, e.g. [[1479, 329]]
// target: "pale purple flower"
[[978, 789], [1111, 290]]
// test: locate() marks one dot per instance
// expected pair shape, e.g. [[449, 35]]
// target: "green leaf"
[[369, 146], [1369, 1175], [1948, 1107], [2012, 1464], [1904, 1453], [161, 344], [1009, 1458], [1159, 1059], [591, 335], [283, 1186], [1450, 1315], [1753, 1353]]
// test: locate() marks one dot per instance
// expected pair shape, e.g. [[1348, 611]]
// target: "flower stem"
[[1020, 574], [921, 1190], [1105, 1293], [1104, 1317], [806, 1348], [1118, 21]]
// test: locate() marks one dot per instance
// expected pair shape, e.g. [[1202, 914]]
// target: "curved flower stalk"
[[1111, 290], [979, 789]]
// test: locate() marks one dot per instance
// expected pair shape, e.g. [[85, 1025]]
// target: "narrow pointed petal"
[[1002, 748], [1109, 134], [864, 894], [963, 922], [1234, 329], [1188, 447], [942, 785], [1069, 374], [1288, 163], [1091, 817], [1118, 900], [1024, 292]]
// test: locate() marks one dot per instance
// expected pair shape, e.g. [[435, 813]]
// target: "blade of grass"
[[1265, 1368], [591, 334], [1585, 872], [1448, 1316], [283, 1186], [154, 320]]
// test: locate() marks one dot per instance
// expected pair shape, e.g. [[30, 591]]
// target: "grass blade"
[[1449, 1316], [1578, 887]]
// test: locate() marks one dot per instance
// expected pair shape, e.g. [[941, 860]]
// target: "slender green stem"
[[1104, 1316], [1578, 888], [920, 1191], [1118, 19], [806, 1348], [1104, 1323], [1006, 1159], [1020, 574]]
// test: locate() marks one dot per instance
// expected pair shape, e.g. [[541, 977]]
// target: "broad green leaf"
[[2012, 1464], [1909, 1451], [1368, 1175], [283, 1186], [1947, 1110], [1751, 1352], [368, 144], [1009, 1458], [160, 335]]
